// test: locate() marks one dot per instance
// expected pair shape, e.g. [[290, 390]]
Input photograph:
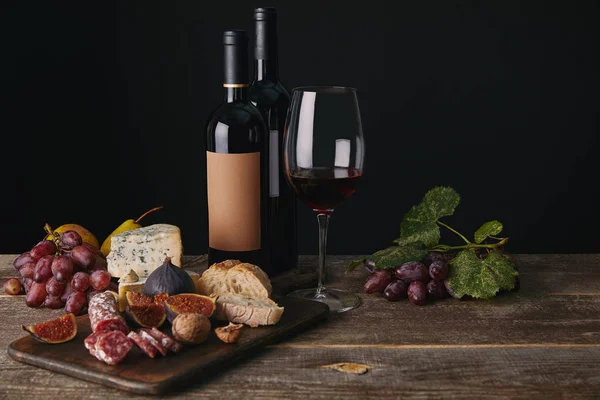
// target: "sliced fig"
[[140, 299], [146, 311], [146, 316], [189, 303], [58, 330]]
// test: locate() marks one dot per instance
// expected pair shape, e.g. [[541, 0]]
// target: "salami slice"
[[144, 333], [103, 311], [112, 347], [144, 345], [90, 342], [165, 340]]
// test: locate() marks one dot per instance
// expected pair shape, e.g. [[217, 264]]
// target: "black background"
[[104, 106]]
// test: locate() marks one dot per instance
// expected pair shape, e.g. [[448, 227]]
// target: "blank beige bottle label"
[[233, 186]]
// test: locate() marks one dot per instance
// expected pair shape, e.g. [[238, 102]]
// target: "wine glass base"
[[337, 300]]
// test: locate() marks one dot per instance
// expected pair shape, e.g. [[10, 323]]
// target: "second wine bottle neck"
[[235, 93], [266, 69]]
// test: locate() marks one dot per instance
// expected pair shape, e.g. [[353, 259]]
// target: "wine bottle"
[[237, 166], [272, 99]]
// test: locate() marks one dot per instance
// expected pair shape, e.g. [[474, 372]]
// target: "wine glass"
[[323, 156]]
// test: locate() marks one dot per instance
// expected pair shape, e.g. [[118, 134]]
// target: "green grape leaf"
[[419, 224], [481, 279], [393, 256], [490, 228], [412, 230], [356, 263]]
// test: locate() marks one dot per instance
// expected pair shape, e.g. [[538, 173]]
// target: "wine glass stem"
[[323, 224]]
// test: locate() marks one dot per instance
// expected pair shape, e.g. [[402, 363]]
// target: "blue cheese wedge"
[[144, 249]]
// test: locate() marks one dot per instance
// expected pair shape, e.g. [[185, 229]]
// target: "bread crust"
[[243, 293], [228, 276]]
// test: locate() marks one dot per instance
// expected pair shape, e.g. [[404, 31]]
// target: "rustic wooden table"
[[542, 342]]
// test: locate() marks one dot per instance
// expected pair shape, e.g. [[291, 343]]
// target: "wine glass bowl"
[[323, 156]]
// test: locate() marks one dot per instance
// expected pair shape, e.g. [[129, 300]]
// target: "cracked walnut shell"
[[229, 333]]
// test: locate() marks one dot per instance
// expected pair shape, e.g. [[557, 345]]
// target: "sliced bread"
[[235, 277], [249, 311]]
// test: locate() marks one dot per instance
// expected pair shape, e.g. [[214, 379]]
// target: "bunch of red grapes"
[[418, 281], [65, 272]]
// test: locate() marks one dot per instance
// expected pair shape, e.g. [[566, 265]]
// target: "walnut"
[[229, 333], [191, 328]]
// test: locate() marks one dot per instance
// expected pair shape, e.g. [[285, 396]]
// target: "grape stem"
[[449, 228], [442, 248], [55, 236], [469, 244]]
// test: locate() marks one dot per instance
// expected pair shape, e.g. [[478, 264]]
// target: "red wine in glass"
[[324, 188], [323, 154]]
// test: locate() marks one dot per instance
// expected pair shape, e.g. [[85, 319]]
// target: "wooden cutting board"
[[141, 374]]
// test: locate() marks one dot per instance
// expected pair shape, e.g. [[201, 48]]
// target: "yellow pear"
[[128, 225], [86, 235]]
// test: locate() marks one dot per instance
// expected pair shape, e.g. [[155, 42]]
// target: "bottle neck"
[[235, 93], [265, 49], [235, 76], [266, 70]]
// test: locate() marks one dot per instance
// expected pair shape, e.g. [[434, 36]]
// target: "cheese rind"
[[144, 249]]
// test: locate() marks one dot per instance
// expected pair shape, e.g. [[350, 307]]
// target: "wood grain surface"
[[139, 374], [542, 342]]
